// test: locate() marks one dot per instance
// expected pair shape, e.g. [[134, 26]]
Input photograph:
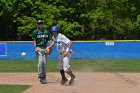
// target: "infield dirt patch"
[[90, 82]]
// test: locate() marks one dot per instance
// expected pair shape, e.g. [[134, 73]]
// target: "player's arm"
[[34, 41], [69, 46], [48, 50], [68, 43], [65, 53], [51, 41], [34, 38], [51, 44]]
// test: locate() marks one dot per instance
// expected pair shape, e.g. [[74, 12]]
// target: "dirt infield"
[[84, 83]]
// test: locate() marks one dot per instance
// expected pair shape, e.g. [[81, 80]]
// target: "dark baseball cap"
[[40, 21]]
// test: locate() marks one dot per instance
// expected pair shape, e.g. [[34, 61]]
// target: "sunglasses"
[[40, 23]]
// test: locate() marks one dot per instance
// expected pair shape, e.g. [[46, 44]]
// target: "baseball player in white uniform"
[[63, 45]]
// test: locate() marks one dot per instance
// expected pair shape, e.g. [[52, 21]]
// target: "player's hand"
[[65, 53], [48, 51], [36, 50]]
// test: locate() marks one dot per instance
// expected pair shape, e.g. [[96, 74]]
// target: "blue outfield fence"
[[81, 50]]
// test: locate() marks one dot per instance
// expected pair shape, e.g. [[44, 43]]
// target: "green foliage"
[[29, 25], [85, 19]]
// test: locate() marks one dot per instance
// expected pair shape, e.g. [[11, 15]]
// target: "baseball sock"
[[62, 74], [70, 73]]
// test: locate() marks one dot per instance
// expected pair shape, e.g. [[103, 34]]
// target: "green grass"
[[115, 65], [13, 88]]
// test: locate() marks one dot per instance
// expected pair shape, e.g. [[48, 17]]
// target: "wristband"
[[67, 49]]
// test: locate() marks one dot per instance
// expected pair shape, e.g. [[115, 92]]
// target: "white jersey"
[[61, 42]]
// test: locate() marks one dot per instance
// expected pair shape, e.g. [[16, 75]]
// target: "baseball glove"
[[48, 51]]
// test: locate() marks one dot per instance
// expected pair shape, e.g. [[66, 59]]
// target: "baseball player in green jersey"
[[40, 37]]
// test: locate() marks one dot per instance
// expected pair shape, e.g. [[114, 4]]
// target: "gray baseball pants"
[[42, 58]]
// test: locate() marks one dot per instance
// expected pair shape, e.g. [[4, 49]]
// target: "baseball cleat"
[[63, 81], [43, 81], [72, 80]]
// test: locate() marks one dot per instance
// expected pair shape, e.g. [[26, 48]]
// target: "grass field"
[[13, 88], [115, 65]]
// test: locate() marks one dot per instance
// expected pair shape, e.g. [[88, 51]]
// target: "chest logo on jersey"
[[42, 36]]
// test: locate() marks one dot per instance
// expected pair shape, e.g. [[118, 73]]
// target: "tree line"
[[77, 19]]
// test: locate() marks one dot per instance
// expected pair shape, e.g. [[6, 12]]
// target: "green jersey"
[[41, 37]]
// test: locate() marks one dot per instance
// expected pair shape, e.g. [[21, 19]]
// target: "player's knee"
[[60, 67], [66, 69], [65, 59], [40, 60]]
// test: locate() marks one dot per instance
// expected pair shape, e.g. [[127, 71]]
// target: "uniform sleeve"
[[65, 40], [34, 35], [50, 36]]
